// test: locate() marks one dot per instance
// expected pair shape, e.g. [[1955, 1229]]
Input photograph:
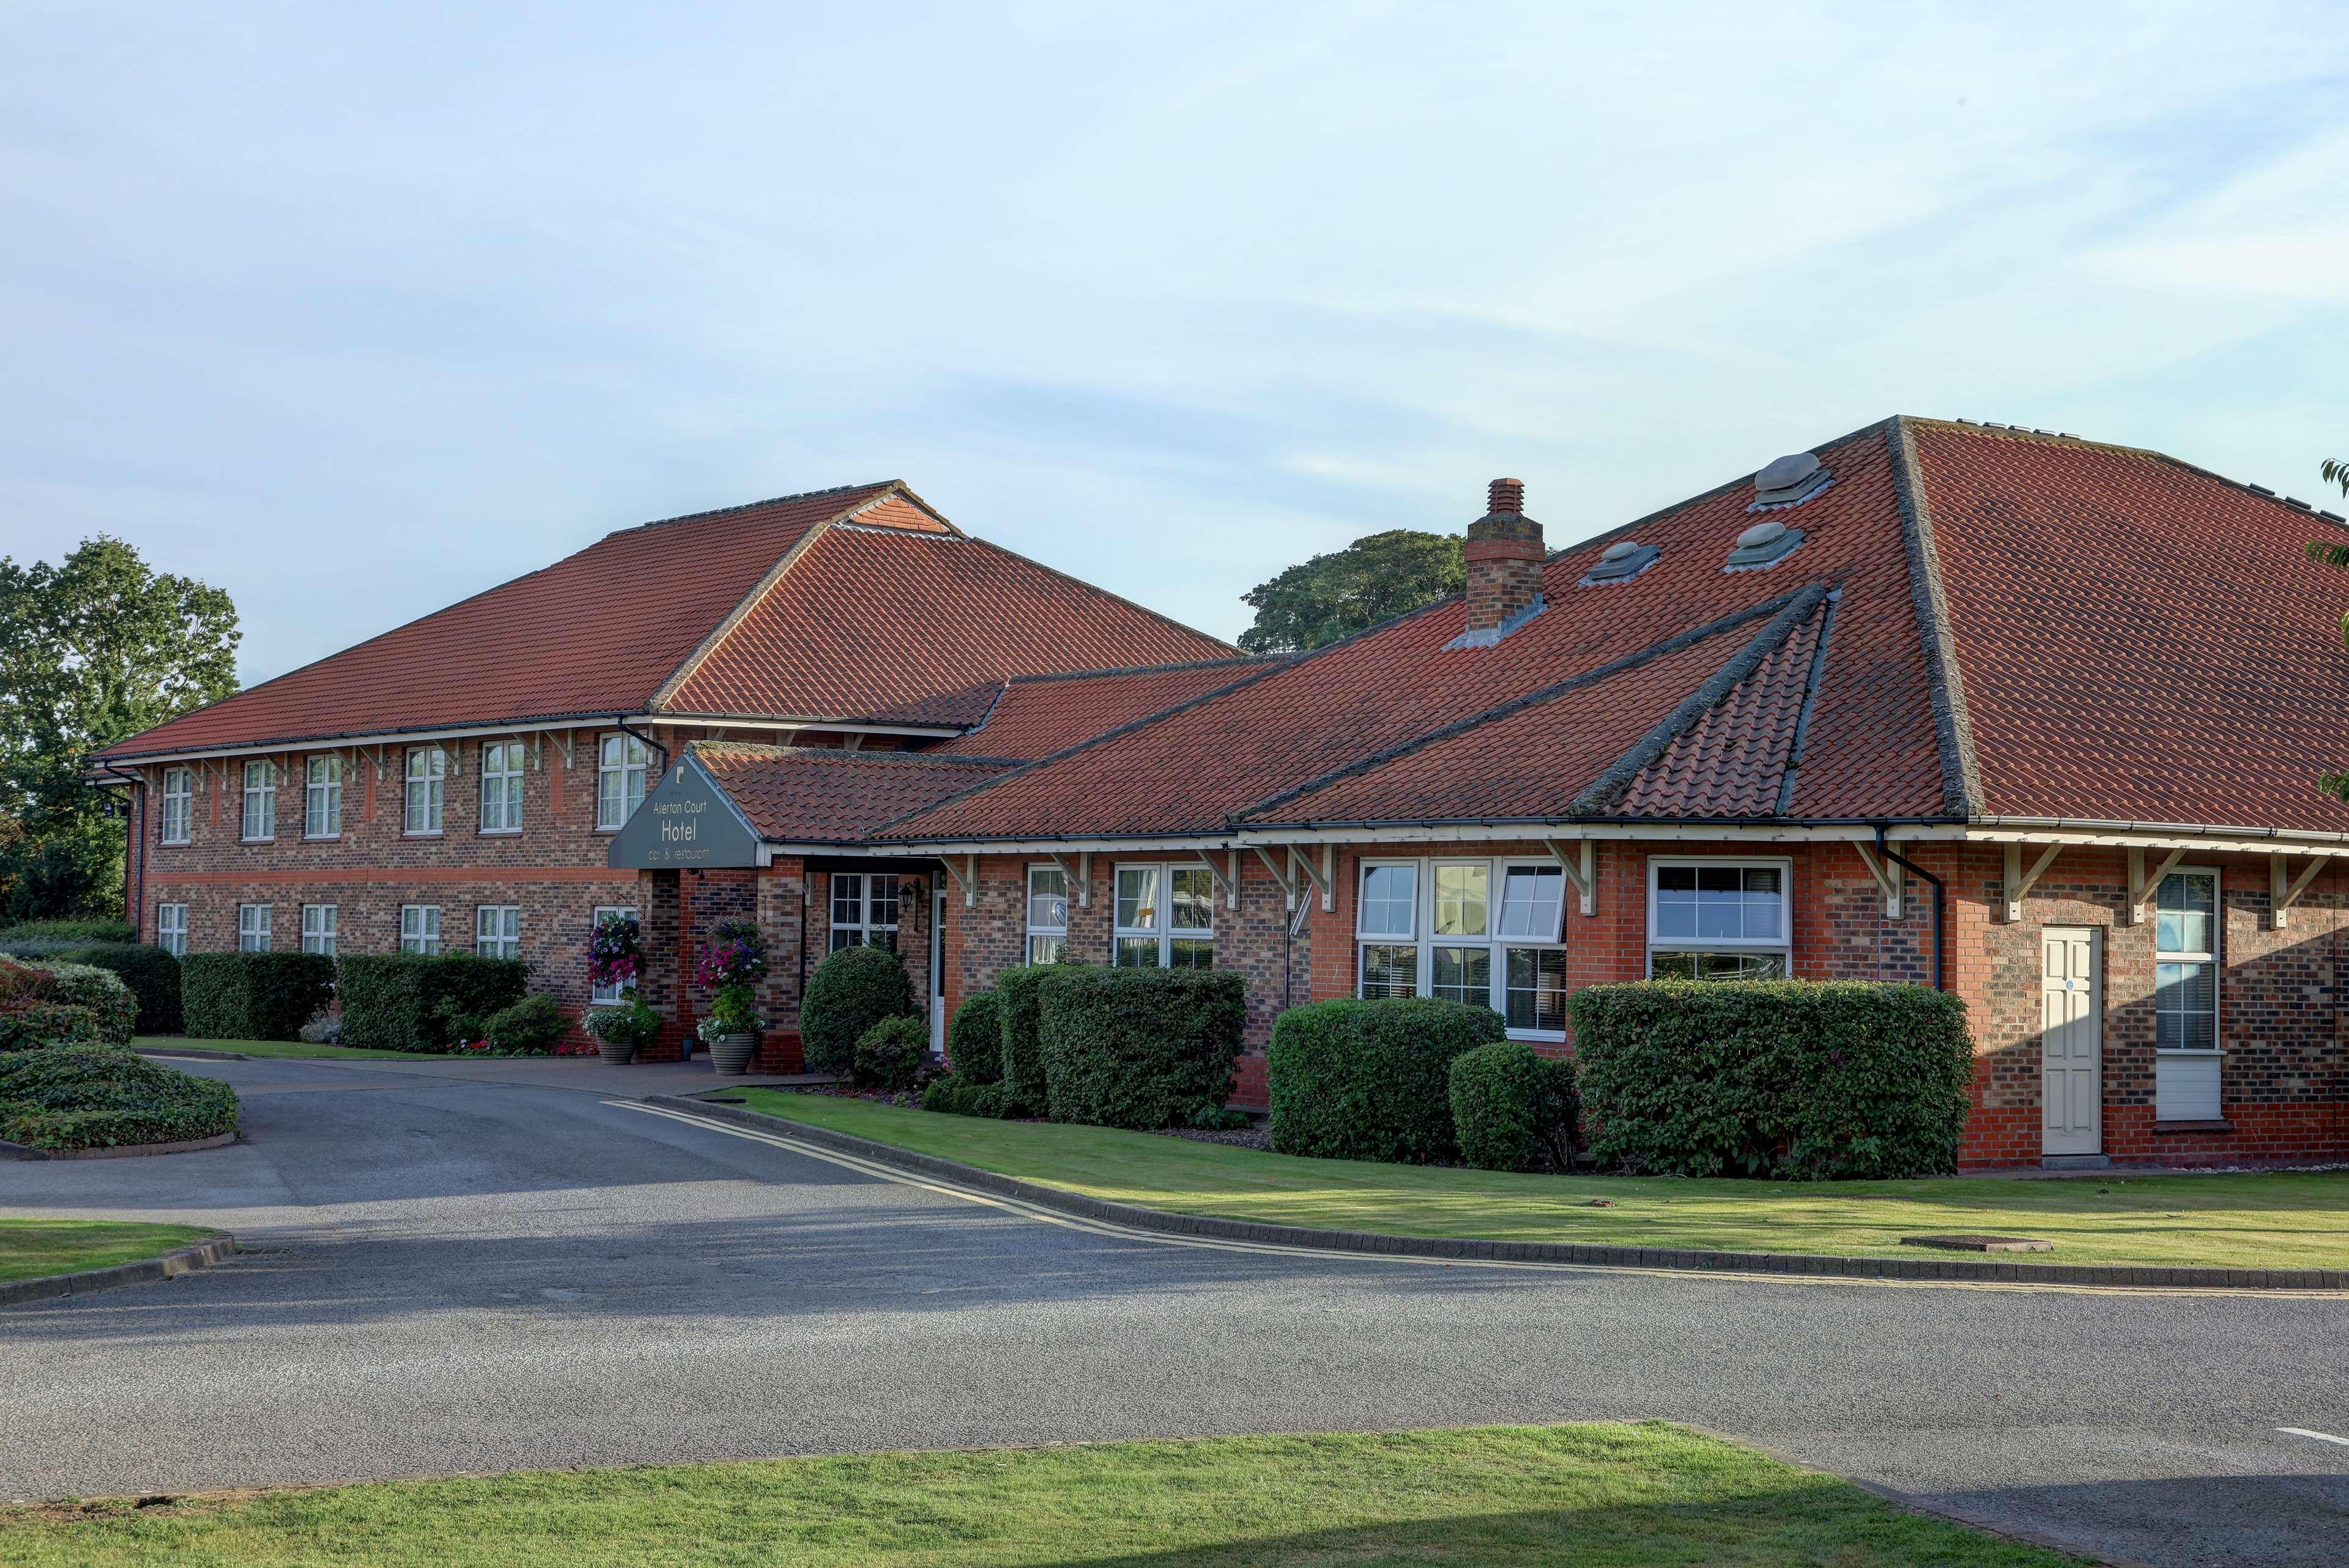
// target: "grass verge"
[[1576, 1497], [32, 1248], [2260, 1221]]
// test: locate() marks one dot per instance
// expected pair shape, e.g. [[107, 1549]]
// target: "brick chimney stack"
[[1503, 551]]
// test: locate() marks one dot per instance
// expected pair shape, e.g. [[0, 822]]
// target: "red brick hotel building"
[[2036, 718]]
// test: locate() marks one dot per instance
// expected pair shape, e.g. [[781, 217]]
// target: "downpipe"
[[1941, 897]]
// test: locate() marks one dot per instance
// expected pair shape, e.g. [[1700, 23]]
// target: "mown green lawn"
[[1563, 1497], [31, 1248], [272, 1049], [2263, 1221]]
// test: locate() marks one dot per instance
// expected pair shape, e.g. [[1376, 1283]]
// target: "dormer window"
[[1620, 562]]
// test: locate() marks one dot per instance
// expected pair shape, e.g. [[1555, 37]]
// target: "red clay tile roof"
[[827, 796], [1735, 759], [1035, 715], [875, 623]]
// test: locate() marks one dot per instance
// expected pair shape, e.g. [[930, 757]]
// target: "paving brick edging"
[[117, 1151], [1920, 1268], [179, 1261], [192, 1051]]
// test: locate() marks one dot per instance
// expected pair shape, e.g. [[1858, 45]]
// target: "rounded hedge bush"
[[1140, 1047], [98, 1096], [954, 1097], [101, 992], [851, 991], [1514, 1109], [531, 1027], [1354, 1079], [975, 1040], [889, 1055]]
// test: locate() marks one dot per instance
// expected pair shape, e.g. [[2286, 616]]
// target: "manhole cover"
[[1980, 1243]]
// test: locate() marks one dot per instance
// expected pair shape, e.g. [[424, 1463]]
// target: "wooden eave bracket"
[[561, 738], [2283, 894], [1887, 875], [1228, 881], [1324, 879], [1581, 870], [967, 877], [2019, 882], [1292, 886], [1081, 879], [2141, 886]]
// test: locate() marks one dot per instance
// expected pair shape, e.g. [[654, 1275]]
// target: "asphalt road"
[[458, 1275]]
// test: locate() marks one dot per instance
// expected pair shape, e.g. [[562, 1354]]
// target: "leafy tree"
[[1335, 595], [92, 650]]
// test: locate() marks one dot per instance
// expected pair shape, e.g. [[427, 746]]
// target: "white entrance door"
[[2071, 1040]]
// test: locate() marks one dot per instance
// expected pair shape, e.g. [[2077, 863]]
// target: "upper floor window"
[[171, 929], [1718, 919], [253, 928], [620, 763], [319, 928], [863, 910], [1435, 928], [260, 800], [1048, 913], [2185, 962], [497, 931], [179, 794], [419, 929], [428, 777], [1165, 918], [502, 786], [322, 802]]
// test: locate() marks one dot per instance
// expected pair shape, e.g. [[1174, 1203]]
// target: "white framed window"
[[621, 761], [426, 788], [419, 929], [608, 995], [1719, 920], [1484, 932], [863, 910], [260, 800], [253, 928], [1165, 918], [322, 796], [171, 929], [1048, 915], [502, 786], [319, 928], [179, 796], [497, 931], [2185, 962]]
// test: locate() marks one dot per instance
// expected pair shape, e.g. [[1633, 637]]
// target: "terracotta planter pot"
[[732, 1053]]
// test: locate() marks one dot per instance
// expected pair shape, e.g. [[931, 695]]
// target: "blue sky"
[[356, 310]]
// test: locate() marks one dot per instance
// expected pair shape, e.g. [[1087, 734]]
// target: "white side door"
[[2071, 1040]]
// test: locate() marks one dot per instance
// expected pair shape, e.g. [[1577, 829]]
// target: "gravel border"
[[179, 1261], [2125, 1275]]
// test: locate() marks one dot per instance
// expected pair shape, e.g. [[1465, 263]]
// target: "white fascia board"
[[768, 721], [525, 726], [2214, 840]]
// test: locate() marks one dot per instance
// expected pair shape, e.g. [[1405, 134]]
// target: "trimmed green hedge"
[[1785, 1080], [890, 1054], [1514, 1109], [1018, 1003], [94, 1096], [415, 1002], [1354, 1079], [975, 1040], [851, 991], [253, 995], [1140, 1047], [152, 975], [67, 931], [954, 1097]]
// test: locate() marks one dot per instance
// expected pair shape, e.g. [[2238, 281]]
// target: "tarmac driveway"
[[449, 1273]]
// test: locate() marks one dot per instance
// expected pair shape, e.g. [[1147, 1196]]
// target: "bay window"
[[863, 910], [620, 763], [428, 779], [179, 793], [1435, 928], [1165, 918], [1048, 913], [1718, 919], [322, 799]]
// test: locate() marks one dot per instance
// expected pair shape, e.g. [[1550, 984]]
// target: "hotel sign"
[[687, 823]]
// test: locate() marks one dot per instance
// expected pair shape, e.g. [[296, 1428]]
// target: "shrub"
[[975, 1040], [67, 931], [1788, 1079], [954, 1096], [1514, 1109], [632, 1023], [1354, 1079], [1021, 1068], [411, 1002], [92, 1097], [529, 1028], [326, 1029], [253, 995], [152, 975], [891, 1053], [1139, 1048], [851, 991], [40, 1024], [100, 993]]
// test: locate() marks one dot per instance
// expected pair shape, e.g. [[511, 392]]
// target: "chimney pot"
[[1505, 495]]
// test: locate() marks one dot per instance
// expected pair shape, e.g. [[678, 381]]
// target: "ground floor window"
[[1165, 918], [497, 931], [863, 910], [419, 929], [1487, 932], [319, 928], [1718, 919], [171, 929], [610, 995], [1048, 915], [253, 928]]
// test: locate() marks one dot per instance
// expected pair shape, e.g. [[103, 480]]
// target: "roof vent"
[[1620, 562], [1765, 544], [1789, 481]]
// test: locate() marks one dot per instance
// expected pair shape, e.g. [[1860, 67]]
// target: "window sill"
[[2209, 1052], [423, 834], [1538, 1036], [321, 837], [174, 843], [268, 840], [498, 833], [2218, 1124]]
